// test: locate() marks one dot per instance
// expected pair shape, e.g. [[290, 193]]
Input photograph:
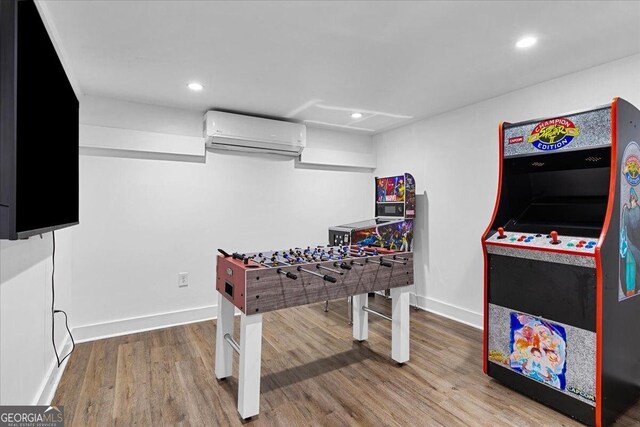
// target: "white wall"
[[454, 157], [143, 220], [27, 364]]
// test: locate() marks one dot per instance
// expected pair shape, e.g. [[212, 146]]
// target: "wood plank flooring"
[[313, 373]]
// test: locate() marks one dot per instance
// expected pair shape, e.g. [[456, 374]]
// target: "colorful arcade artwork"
[[410, 195], [629, 223], [553, 134], [538, 349], [396, 235], [390, 189]]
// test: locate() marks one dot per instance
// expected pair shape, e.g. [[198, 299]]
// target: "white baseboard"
[[450, 311], [50, 383], [150, 322]]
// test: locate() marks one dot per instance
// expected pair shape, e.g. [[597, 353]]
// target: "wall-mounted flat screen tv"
[[38, 128]]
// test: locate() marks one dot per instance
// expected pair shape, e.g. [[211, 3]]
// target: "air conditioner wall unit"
[[227, 131]]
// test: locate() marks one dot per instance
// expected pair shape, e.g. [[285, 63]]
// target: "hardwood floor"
[[313, 373]]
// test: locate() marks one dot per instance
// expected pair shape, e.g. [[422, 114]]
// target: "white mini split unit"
[[226, 131]]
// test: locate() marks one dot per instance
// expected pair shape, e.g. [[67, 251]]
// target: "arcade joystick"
[[554, 238], [501, 233]]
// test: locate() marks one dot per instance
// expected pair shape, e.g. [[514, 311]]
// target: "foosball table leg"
[[360, 317], [224, 325], [400, 324], [249, 377]]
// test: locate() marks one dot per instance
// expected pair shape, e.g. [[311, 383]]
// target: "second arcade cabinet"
[[392, 228]]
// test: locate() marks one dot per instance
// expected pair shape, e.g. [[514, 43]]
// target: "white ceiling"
[[318, 61]]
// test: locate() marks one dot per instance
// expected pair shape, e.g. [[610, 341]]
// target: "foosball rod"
[[318, 266], [382, 262], [240, 257], [287, 273], [235, 255], [359, 254], [325, 277], [343, 265], [395, 261]]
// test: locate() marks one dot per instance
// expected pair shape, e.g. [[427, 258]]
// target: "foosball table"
[[261, 282]]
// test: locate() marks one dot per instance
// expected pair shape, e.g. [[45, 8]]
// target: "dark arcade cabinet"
[[562, 285]]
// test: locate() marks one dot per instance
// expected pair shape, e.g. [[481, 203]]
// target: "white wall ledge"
[[342, 159], [108, 138]]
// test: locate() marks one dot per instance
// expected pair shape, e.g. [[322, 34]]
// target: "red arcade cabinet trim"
[[485, 344], [599, 283]]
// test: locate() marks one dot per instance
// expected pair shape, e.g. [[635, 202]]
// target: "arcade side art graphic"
[[629, 223]]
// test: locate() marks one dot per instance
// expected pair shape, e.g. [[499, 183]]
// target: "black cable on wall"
[[54, 311]]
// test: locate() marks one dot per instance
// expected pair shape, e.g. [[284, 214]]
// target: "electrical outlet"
[[183, 280]]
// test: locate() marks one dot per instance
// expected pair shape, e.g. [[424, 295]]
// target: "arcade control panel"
[[547, 242]]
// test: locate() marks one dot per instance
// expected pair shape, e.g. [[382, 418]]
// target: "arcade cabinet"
[[392, 228], [395, 208], [562, 285]]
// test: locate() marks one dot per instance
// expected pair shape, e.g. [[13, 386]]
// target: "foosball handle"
[[224, 254], [236, 255], [287, 273], [385, 263], [342, 265], [331, 279]]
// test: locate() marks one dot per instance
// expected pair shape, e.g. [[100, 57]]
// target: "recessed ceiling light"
[[195, 86], [526, 42], [356, 115]]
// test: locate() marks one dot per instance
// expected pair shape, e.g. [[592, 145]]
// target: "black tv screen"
[[40, 160]]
